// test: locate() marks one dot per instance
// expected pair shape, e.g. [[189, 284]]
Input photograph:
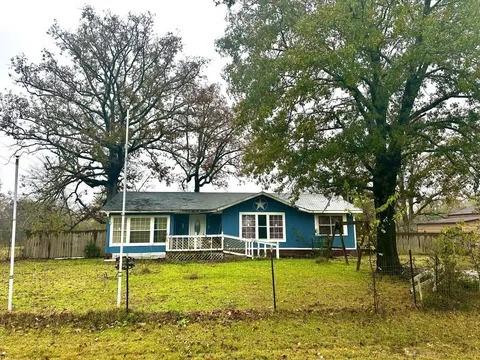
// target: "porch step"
[[186, 256]]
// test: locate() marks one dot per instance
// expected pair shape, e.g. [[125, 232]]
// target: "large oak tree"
[[341, 93], [72, 104]]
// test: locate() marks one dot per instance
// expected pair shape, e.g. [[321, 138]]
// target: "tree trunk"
[[197, 185], [113, 171], [384, 185], [111, 189]]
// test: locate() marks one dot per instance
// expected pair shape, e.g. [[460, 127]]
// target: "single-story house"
[[468, 218], [237, 223]]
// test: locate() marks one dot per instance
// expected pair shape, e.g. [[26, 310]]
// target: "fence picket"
[[62, 244]]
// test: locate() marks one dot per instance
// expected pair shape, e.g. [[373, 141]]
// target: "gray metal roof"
[[451, 220], [470, 210], [321, 203], [217, 201]]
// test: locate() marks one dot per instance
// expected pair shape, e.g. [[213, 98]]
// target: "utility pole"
[[122, 235], [12, 243]]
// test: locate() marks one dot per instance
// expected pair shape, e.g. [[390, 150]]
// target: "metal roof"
[[217, 201], [470, 213], [321, 203], [470, 210], [451, 220]]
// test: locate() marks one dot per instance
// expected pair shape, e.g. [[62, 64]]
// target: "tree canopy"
[[341, 94], [72, 104], [206, 147]]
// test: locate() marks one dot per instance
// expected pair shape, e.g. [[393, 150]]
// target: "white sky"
[[23, 26]]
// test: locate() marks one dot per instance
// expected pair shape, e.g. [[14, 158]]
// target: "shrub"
[[91, 250], [453, 288], [450, 248]]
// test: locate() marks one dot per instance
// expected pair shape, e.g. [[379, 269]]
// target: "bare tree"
[[73, 103], [207, 145]]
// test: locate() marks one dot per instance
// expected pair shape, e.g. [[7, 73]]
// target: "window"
[[248, 226], [139, 230], [326, 224], [160, 229], [263, 226], [276, 227], [117, 230]]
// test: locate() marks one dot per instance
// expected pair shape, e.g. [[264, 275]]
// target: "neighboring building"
[[238, 223], [468, 218]]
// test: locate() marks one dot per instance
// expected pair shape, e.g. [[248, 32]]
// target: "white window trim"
[[127, 229], [344, 219], [240, 230]]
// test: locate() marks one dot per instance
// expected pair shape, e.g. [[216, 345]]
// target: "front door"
[[198, 224]]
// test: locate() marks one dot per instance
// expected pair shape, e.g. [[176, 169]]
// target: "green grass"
[[84, 285], [66, 309]]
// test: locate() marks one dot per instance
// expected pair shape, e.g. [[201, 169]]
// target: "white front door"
[[198, 224]]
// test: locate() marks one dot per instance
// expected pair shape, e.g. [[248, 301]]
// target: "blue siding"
[[137, 249], [300, 226], [214, 224], [181, 224]]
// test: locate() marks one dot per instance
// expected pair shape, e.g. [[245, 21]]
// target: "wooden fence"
[[72, 244], [54, 245], [418, 242]]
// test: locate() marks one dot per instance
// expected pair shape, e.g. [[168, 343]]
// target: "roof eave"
[[332, 211]]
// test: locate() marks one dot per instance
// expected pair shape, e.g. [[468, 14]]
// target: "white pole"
[[122, 235], [12, 244]]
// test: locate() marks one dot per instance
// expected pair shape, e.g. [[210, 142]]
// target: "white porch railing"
[[219, 242], [249, 247], [194, 242]]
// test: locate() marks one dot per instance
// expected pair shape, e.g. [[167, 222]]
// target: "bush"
[[448, 248], [452, 288], [92, 250]]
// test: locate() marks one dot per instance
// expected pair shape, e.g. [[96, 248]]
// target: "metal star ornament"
[[260, 204]]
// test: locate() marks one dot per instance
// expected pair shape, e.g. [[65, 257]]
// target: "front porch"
[[227, 244]]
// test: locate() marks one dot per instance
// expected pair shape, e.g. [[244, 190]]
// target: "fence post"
[[413, 278], [127, 290], [273, 280]]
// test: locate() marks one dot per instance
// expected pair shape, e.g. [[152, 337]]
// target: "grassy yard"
[[65, 309], [84, 285]]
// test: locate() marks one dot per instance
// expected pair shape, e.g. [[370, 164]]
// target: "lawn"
[[84, 285], [65, 309]]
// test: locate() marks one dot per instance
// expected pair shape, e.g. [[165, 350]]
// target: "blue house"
[[246, 224]]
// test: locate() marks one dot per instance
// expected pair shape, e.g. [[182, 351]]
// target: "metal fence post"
[[413, 278], [127, 293], [273, 280]]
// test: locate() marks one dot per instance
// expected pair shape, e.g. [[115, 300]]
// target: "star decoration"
[[260, 204]]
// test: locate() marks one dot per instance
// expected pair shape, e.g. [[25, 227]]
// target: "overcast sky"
[[23, 26]]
